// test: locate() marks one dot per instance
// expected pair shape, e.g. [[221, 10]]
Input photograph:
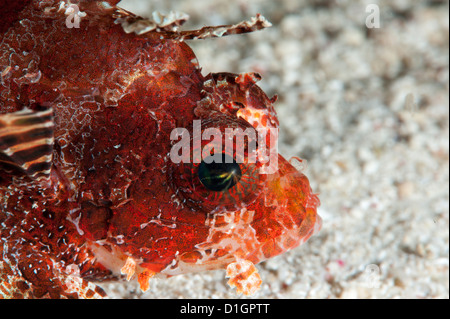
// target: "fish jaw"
[[288, 213]]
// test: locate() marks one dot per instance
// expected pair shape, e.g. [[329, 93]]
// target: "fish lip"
[[317, 225], [313, 230]]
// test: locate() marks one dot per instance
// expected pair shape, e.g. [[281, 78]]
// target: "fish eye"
[[221, 180], [213, 187], [219, 176]]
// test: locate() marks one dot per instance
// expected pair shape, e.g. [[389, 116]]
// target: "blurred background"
[[363, 91]]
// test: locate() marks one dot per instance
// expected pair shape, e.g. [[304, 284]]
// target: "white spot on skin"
[[6, 71], [105, 5], [120, 239], [73, 270]]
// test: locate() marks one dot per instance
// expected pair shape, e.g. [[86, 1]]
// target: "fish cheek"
[[94, 220], [156, 236]]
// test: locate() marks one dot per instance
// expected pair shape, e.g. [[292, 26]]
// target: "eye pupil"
[[219, 176]]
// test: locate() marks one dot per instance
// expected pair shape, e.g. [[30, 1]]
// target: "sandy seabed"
[[368, 108]]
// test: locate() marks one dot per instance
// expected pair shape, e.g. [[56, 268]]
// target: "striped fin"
[[26, 142]]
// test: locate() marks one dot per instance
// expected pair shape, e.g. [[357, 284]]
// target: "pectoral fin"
[[26, 142]]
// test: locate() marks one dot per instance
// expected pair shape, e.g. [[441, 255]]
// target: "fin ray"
[[26, 141]]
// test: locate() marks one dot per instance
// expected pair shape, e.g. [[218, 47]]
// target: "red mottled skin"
[[112, 194]]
